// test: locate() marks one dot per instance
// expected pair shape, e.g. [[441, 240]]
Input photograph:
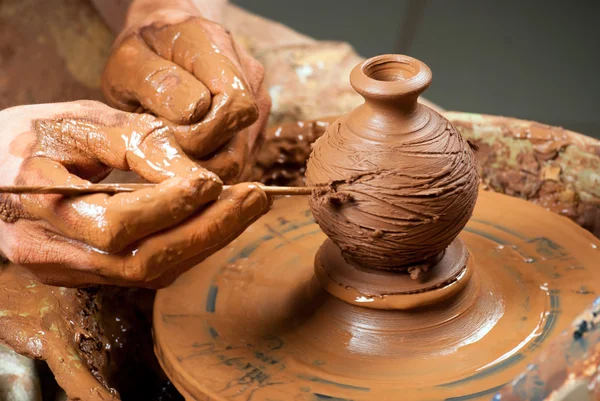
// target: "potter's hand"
[[143, 238], [186, 69]]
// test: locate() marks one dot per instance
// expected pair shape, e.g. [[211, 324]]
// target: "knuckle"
[[165, 280], [206, 182], [257, 68], [135, 271], [234, 168], [248, 111], [110, 238], [114, 63], [211, 26], [106, 243], [245, 112]]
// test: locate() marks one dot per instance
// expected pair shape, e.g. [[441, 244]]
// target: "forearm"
[[121, 13]]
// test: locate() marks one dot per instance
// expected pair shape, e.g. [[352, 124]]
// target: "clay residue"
[[285, 149], [550, 166], [97, 341], [58, 325], [125, 316]]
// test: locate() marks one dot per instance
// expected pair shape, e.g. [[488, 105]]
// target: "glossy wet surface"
[[251, 322]]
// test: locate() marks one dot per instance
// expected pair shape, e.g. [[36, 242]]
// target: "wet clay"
[[386, 289], [169, 69], [399, 182], [58, 325], [506, 155], [218, 334], [143, 238], [97, 341], [284, 150], [125, 316]]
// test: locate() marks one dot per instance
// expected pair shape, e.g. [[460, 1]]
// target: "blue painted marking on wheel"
[[501, 228], [246, 251], [308, 234], [494, 369], [340, 385], [475, 395], [250, 248], [320, 397], [486, 235], [211, 298], [546, 330], [213, 333], [548, 248], [544, 246], [550, 321]]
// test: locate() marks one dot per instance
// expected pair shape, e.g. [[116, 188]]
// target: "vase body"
[[399, 182]]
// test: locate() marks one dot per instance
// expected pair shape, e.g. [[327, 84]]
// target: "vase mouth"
[[390, 76]]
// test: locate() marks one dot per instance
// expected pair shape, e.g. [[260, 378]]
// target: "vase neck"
[[391, 85], [374, 120]]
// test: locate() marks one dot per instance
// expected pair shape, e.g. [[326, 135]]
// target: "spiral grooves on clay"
[[394, 203]]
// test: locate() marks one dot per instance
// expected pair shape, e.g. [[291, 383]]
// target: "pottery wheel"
[[253, 323]]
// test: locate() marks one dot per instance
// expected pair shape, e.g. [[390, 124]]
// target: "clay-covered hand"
[[143, 238], [181, 67]]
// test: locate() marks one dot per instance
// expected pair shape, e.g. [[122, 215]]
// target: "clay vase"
[[398, 181]]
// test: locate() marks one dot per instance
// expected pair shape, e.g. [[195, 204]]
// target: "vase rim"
[[390, 76]]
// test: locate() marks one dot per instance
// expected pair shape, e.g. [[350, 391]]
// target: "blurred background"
[[532, 59]]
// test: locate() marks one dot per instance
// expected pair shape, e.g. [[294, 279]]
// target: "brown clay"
[[550, 166], [385, 289], [176, 81], [252, 322], [400, 182], [281, 159], [58, 325], [396, 184], [143, 238]]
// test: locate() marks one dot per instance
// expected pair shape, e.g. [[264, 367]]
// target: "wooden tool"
[[71, 190]]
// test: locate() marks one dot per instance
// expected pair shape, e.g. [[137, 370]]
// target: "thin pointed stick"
[[72, 190]]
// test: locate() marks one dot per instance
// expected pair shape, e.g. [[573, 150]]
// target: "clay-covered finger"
[[230, 162], [158, 156], [111, 223], [233, 105], [255, 74], [257, 130], [253, 70], [165, 255], [101, 136], [135, 75]]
